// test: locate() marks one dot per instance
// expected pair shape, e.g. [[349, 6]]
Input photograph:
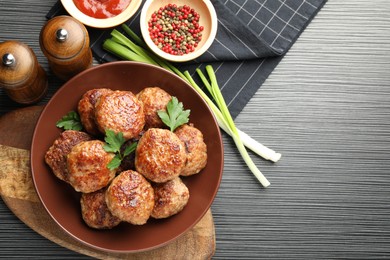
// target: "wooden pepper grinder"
[[65, 43], [21, 76]]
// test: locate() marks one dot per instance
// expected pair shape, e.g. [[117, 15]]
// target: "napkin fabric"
[[252, 38]]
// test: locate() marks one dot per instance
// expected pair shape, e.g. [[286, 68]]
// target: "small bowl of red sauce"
[[178, 30], [102, 13]]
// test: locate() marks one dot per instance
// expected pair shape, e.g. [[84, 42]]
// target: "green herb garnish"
[[175, 115], [113, 144], [70, 121]]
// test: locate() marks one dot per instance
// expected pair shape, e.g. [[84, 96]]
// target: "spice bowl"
[[178, 30], [101, 22]]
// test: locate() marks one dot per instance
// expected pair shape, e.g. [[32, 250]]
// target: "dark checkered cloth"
[[252, 37]]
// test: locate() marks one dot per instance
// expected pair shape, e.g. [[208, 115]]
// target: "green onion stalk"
[[136, 50]]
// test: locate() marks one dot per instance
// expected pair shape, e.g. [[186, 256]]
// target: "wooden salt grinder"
[[65, 43], [21, 76]]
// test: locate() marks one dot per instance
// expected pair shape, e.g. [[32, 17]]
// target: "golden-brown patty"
[[86, 109], [196, 149], [120, 111], [153, 100], [130, 197], [95, 212], [169, 198], [160, 155], [87, 166], [56, 155]]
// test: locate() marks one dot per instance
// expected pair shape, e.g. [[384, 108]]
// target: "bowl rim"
[[186, 57], [91, 245], [72, 9]]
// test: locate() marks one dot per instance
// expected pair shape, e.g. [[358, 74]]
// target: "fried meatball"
[[196, 149], [169, 198], [55, 157], [87, 166], [160, 155], [153, 100], [130, 197], [120, 111], [95, 212], [86, 109]]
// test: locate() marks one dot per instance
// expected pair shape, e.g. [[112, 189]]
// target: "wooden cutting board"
[[18, 193]]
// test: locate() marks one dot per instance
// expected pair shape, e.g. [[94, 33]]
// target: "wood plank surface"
[[18, 193], [325, 108]]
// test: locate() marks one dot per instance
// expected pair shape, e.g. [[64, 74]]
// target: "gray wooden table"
[[326, 108]]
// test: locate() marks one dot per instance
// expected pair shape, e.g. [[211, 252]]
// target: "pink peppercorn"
[[175, 29]]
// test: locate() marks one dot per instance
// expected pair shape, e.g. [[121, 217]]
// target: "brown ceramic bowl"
[[208, 19], [62, 202]]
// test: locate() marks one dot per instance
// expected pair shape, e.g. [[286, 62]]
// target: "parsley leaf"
[[129, 149], [113, 141], [70, 121], [114, 163], [175, 115], [113, 144]]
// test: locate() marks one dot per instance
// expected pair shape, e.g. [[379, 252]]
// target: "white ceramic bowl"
[[208, 19], [72, 9]]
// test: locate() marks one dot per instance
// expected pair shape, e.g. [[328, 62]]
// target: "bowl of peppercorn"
[[178, 30]]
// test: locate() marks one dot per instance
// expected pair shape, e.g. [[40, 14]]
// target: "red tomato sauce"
[[101, 8]]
